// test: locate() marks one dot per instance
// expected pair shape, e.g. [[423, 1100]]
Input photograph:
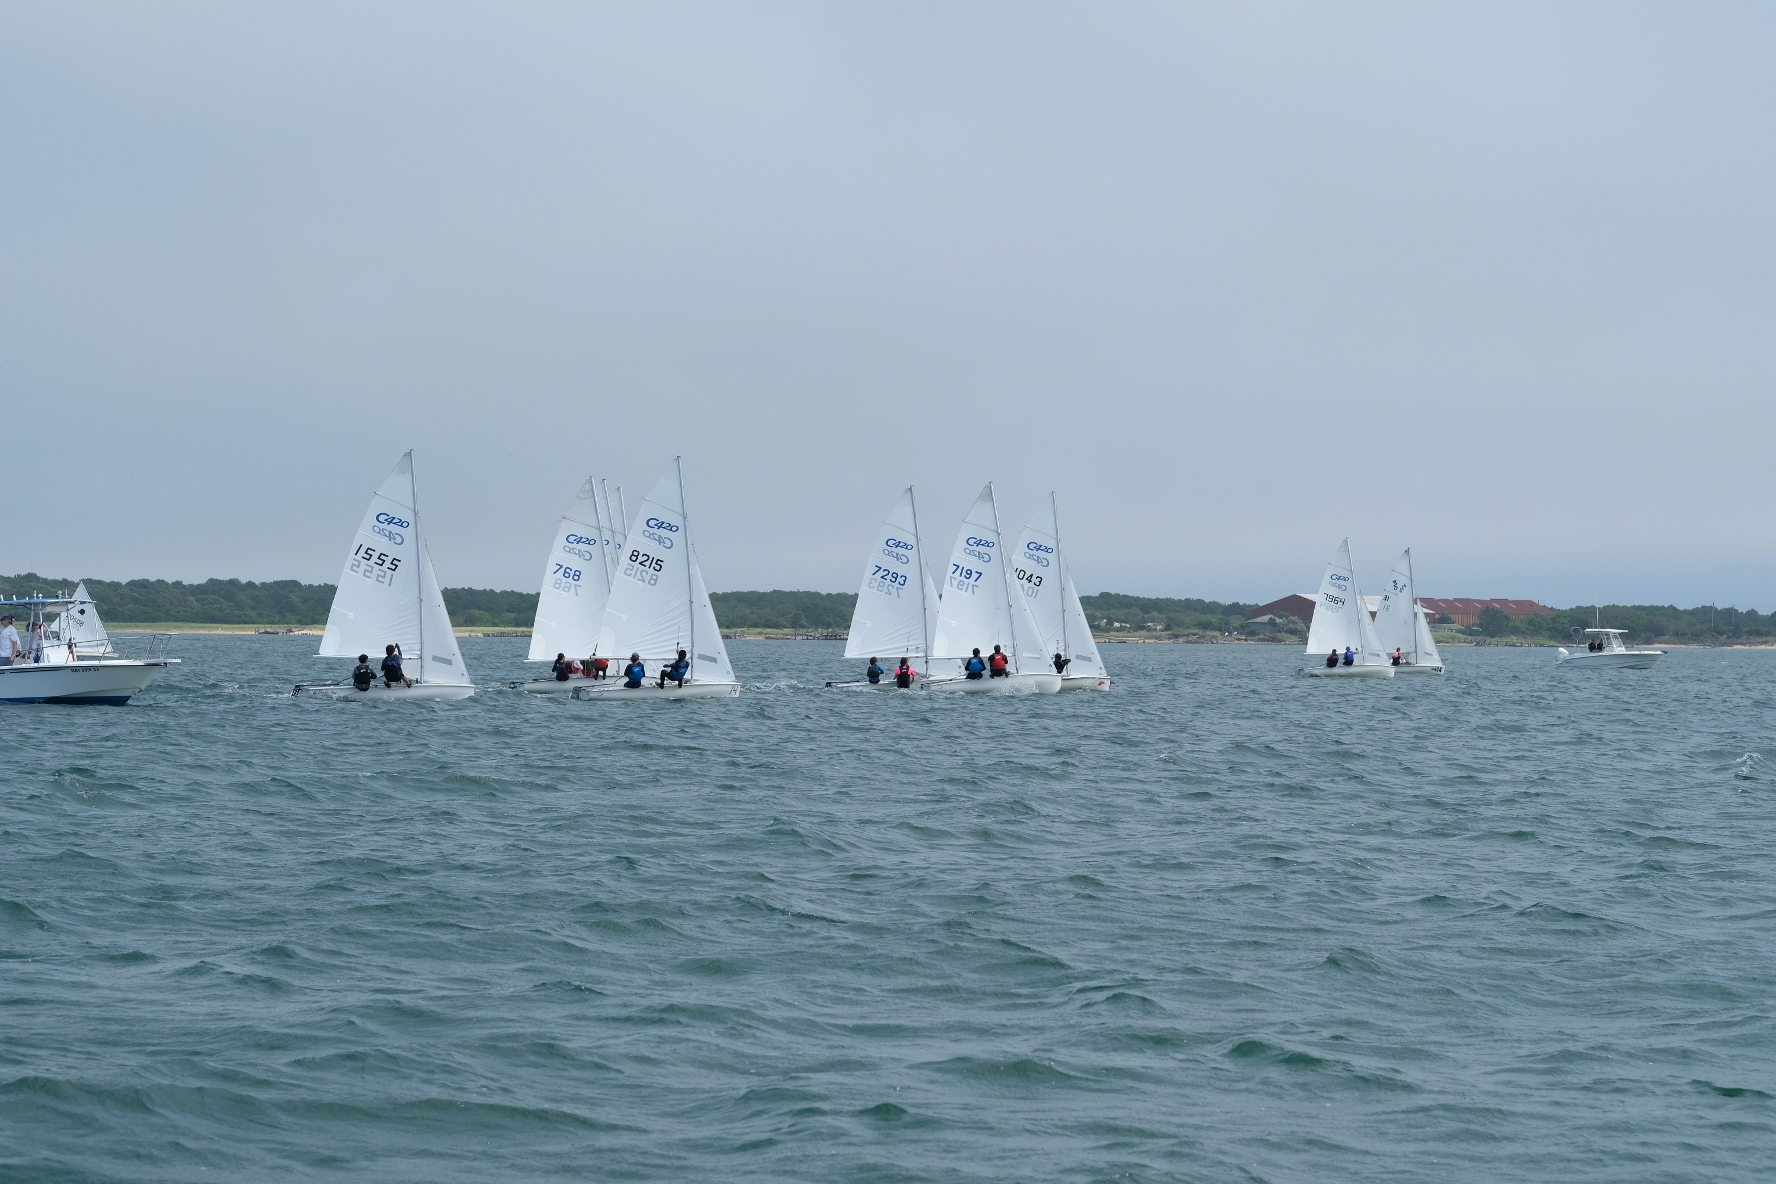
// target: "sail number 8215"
[[644, 568]]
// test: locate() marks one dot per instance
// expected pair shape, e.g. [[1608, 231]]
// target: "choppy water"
[[1223, 924]]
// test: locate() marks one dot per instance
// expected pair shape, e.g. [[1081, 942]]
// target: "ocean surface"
[[1224, 923]]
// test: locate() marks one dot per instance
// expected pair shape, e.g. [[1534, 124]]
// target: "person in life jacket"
[[903, 675], [362, 675], [1061, 664], [598, 667], [634, 672], [1397, 658], [974, 667], [998, 663], [1350, 656], [874, 672], [562, 668], [391, 667], [1332, 659], [678, 670]]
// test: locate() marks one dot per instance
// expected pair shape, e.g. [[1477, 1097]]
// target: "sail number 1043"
[[644, 568]]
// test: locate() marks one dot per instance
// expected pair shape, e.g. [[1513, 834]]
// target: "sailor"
[[678, 670], [903, 675], [1350, 656], [998, 664], [1061, 664], [363, 677], [1397, 658], [975, 666], [562, 669], [1331, 659], [634, 672], [391, 668], [874, 672], [36, 641], [598, 667], [9, 640]]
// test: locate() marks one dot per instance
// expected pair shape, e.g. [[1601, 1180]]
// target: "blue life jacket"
[[975, 665], [679, 670], [634, 673], [874, 673]]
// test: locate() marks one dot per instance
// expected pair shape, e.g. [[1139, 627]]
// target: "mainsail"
[[576, 582], [388, 593], [1400, 622], [896, 613], [658, 604], [1041, 571], [980, 607], [1340, 618]]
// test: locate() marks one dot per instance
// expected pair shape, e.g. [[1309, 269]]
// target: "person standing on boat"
[[391, 668], [597, 667], [998, 664], [874, 671], [903, 675], [1350, 656], [975, 666], [634, 672], [677, 671], [362, 676], [1332, 659], [36, 641], [9, 640], [1062, 663], [562, 669]]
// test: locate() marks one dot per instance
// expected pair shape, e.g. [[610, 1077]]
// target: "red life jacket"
[[998, 661]]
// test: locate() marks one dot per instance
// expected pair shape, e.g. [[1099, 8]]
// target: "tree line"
[[292, 603]]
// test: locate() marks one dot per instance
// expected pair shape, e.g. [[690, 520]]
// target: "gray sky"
[[1491, 280]]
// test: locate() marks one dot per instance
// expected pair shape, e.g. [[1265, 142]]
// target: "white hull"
[[379, 693], [554, 686], [887, 684], [1621, 659], [592, 690], [1349, 671], [1085, 682], [1011, 684], [1409, 668], [108, 682]]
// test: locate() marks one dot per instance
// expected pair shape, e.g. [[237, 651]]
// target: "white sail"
[[1041, 571], [1340, 618], [377, 600], [980, 607], [1396, 624], [388, 593], [576, 582], [896, 613], [1426, 652], [658, 604], [80, 624], [1078, 643]]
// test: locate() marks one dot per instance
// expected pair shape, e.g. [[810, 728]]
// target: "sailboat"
[[981, 608], [1400, 624], [659, 606], [896, 612], [1341, 621], [388, 594], [1040, 565], [576, 584]]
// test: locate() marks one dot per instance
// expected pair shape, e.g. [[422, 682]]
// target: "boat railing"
[[137, 647]]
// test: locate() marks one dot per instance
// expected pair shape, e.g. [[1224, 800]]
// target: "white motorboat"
[[659, 607], [1401, 625], [896, 612], [1040, 565], [388, 594], [576, 584], [1612, 654], [982, 609], [1341, 624], [69, 658]]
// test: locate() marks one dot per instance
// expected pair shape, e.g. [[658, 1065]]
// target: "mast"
[[419, 549], [606, 536], [1004, 576], [924, 580], [1054, 508], [690, 558]]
